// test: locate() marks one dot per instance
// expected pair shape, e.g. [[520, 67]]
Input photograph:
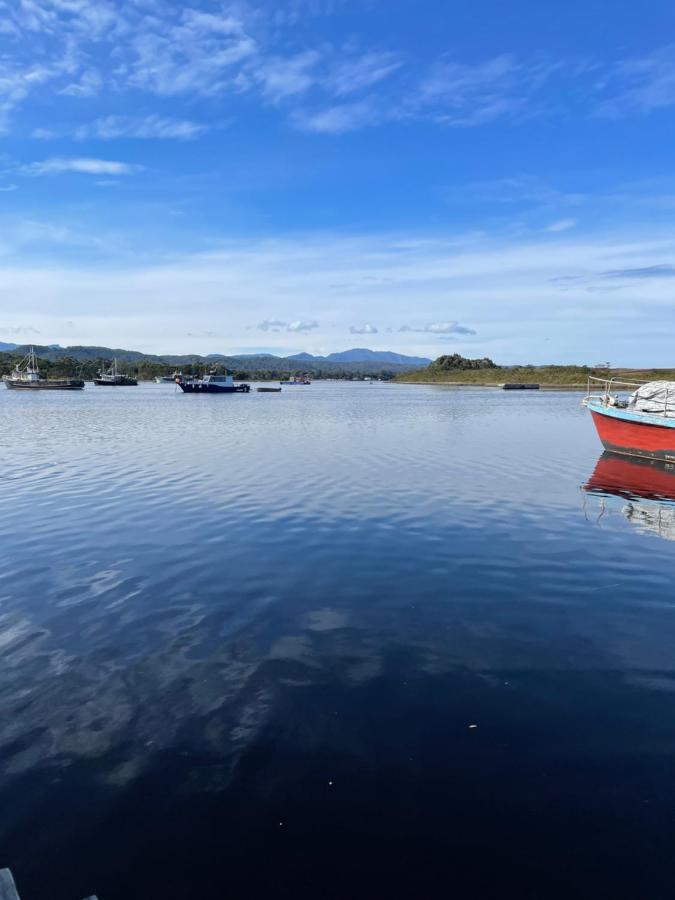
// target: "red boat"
[[640, 425]]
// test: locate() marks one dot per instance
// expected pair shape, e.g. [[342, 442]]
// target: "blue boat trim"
[[628, 415]]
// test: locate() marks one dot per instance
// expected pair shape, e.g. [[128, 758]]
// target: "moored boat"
[[212, 384], [113, 378], [26, 376], [168, 379], [642, 424], [268, 390], [297, 380]]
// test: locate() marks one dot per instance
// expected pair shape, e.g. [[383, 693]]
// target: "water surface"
[[350, 640]]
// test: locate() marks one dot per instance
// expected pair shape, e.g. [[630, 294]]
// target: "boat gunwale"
[[596, 404]]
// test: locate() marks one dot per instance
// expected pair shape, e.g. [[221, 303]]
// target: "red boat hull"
[[635, 438]]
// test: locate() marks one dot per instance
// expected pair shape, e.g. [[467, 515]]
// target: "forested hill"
[[87, 360], [456, 369]]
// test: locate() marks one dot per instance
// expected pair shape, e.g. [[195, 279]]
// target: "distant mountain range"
[[7, 348], [361, 354], [356, 360]]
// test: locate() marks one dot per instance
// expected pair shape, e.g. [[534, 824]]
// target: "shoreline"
[[495, 385]]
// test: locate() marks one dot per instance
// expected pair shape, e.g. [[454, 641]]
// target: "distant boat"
[[112, 378], [26, 376], [268, 390], [296, 379], [212, 384], [168, 379]]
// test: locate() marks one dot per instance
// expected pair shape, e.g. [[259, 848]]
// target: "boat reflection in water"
[[647, 486]]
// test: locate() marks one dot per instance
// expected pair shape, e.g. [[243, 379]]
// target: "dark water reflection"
[[243, 641]]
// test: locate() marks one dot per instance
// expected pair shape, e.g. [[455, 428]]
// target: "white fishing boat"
[[113, 378], [26, 376]]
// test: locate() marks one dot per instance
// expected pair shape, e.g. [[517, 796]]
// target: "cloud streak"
[[81, 166], [639, 85], [502, 285], [83, 49], [300, 326], [146, 127], [438, 328], [561, 225], [659, 271]]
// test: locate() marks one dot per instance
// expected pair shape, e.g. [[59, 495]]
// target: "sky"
[[279, 176]]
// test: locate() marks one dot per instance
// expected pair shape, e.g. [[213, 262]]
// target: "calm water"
[[243, 641]]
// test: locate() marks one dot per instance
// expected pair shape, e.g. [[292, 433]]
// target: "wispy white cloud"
[[499, 286], [360, 72], [339, 119], [87, 48], [638, 85], [82, 165], [363, 329], [663, 270], [450, 92], [300, 326], [468, 94], [296, 327], [151, 126], [107, 128], [18, 80], [198, 54], [88, 85], [44, 134], [516, 189], [440, 328], [271, 325], [283, 77], [561, 225]]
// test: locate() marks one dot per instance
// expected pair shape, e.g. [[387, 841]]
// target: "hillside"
[[458, 370], [362, 354], [87, 359]]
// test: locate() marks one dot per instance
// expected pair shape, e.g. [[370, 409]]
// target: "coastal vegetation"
[[85, 362], [457, 369]]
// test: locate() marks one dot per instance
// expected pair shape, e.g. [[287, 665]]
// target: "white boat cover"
[[654, 397]]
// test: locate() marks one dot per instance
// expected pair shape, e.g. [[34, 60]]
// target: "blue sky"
[[317, 174]]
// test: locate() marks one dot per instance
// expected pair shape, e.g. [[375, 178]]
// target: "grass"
[[548, 375]]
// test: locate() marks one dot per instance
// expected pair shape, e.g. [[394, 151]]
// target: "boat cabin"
[[27, 371], [223, 380]]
